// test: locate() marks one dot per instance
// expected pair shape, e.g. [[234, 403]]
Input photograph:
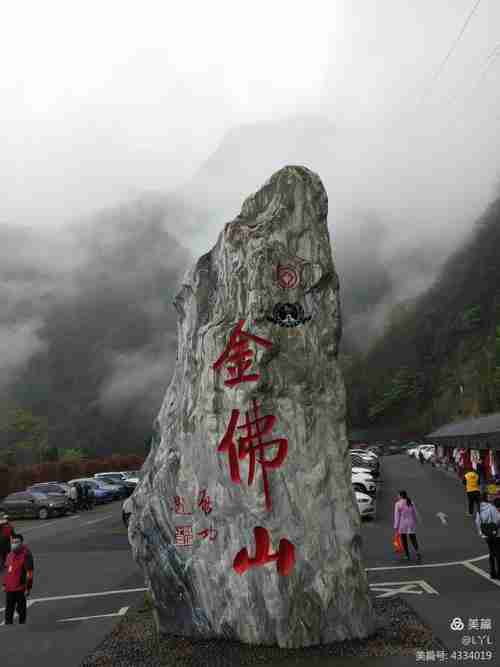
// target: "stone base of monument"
[[135, 641]]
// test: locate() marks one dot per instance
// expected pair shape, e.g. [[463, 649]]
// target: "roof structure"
[[486, 425]]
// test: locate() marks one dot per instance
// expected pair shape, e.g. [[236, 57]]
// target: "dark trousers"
[[13, 600], [473, 498], [404, 540], [494, 549]]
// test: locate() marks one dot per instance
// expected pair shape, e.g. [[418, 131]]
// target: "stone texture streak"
[[190, 518]]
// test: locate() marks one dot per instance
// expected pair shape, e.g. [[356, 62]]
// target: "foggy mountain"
[[439, 359], [88, 330], [381, 260]]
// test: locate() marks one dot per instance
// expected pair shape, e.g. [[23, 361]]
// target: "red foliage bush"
[[18, 478]]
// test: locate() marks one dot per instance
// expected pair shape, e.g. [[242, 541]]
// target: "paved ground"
[[453, 580], [85, 576], [77, 559]]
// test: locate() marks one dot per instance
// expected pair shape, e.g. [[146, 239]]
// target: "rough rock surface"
[[191, 515]]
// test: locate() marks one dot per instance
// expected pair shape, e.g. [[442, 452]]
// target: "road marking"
[[121, 612], [403, 565], [89, 523], [390, 588], [84, 595], [482, 573], [442, 516], [50, 523]]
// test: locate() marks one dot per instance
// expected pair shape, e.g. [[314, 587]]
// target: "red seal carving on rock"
[[287, 276]]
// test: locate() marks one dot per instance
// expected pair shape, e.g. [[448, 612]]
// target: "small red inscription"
[[211, 533], [204, 502], [237, 356], [285, 556], [253, 446], [184, 536], [180, 507]]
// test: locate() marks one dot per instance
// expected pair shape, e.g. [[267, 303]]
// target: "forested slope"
[[440, 357]]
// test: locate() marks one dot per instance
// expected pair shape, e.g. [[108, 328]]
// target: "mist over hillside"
[[87, 327], [88, 331], [439, 359]]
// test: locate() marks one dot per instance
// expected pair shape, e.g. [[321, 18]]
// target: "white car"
[[367, 505], [367, 474], [132, 476], [428, 452], [127, 508], [363, 484], [425, 449], [366, 454]]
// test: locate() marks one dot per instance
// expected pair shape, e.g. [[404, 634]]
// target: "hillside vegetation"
[[439, 358]]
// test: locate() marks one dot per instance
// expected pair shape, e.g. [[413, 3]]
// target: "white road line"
[[403, 565], [482, 573], [89, 523], [84, 595], [50, 523], [391, 588], [121, 612]]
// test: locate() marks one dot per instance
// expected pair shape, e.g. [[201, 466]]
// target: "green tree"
[[71, 455]]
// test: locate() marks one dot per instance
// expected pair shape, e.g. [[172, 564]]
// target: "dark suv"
[[33, 504]]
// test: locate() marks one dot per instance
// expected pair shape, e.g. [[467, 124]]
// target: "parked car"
[[365, 462], [51, 488], [133, 475], [428, 452], [364, 485], [101, 494], [366, 505], [361, 470], [33, 504], [364, 452], [127, 510], [116, 478]]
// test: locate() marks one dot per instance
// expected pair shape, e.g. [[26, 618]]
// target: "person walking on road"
[[405, 523], [17, 579], [421, 457], [471, 481], [79, 493], [488, 527], [6, 533], [73, 497]]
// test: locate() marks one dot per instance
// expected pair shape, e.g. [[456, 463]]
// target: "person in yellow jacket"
[[471, 481]]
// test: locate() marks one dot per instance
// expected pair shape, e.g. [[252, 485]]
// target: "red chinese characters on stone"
[[179, 506], [253, 446], [285, 556], [211, 533], [184, 536], [204, 502], [237, 356]]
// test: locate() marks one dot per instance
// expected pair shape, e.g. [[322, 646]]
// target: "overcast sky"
[[101, 100]]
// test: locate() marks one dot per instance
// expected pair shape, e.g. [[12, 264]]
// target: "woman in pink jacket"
[[405, 523]]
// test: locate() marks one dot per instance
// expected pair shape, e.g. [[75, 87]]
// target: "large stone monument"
[[245, 524]]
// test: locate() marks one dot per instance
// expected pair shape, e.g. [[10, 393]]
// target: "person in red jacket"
[[17, 579], [6, 534]]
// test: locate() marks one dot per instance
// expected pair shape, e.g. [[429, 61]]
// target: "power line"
[[488, 63], [454, 45]]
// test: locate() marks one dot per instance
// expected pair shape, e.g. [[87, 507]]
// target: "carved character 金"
[[253, 446], [285, 556], [288, 315], [238, 354]]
